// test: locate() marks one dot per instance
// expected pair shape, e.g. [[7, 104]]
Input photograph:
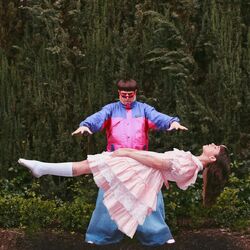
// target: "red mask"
[[127, 95]]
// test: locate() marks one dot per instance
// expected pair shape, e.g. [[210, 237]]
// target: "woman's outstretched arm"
[[147, 158]]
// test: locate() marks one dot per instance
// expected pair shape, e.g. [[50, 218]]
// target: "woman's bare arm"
[[150, 159]]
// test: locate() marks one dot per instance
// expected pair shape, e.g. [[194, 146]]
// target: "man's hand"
[[82, 130], [176, 126]]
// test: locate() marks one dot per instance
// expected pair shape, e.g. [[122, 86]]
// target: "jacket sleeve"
[[96, 122], [157, 120]]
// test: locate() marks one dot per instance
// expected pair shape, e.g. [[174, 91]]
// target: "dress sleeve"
[[181, 167]]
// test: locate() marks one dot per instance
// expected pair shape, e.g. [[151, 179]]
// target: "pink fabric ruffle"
[[181, 167], [130, 188]]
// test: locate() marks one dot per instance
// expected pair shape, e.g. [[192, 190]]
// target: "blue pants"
[[102, 230]]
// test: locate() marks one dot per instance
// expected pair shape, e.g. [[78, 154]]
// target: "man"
[[127, 123]]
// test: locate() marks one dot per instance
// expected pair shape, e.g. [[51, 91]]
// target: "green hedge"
[[183, 209], [69, 204], [35, 213]]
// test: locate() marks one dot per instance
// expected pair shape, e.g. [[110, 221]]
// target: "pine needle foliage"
[[59, 61]]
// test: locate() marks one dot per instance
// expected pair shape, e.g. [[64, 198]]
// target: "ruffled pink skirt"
[[130, 189]]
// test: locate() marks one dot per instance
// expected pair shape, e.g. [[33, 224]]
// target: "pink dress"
[[130, 188]]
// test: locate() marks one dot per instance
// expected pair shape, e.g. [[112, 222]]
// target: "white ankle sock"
[[39, 168]]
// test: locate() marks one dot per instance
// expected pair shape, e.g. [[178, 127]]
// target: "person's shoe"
[[171, 241], [90, 242]]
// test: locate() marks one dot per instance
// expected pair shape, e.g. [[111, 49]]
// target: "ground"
[[205, 239]]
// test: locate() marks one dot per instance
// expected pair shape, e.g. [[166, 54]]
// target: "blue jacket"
[[128, 127]]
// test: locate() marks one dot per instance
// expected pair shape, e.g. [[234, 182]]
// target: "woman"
[[132, 178]]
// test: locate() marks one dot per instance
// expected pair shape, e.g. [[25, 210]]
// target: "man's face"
[[126, 97]]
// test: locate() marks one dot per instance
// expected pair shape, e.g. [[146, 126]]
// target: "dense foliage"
[[59, 61]]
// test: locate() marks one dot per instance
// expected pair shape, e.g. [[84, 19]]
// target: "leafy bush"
[[75, 216], [35, 213], [10, 211], [233, 206], [232, 209], [26, 204]]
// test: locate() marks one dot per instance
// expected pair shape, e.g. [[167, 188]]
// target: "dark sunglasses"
[[127, 95]]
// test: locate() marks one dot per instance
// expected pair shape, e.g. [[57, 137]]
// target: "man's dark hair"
[[127, 85]]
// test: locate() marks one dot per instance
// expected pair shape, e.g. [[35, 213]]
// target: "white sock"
[[39, 168]]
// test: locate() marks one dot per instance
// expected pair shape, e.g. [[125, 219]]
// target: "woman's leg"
[[81, 168], [67, 169]]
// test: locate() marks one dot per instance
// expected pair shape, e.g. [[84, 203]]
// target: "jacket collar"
[[129, 106]]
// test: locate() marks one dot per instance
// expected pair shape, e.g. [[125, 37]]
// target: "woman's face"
[[211, 150]]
